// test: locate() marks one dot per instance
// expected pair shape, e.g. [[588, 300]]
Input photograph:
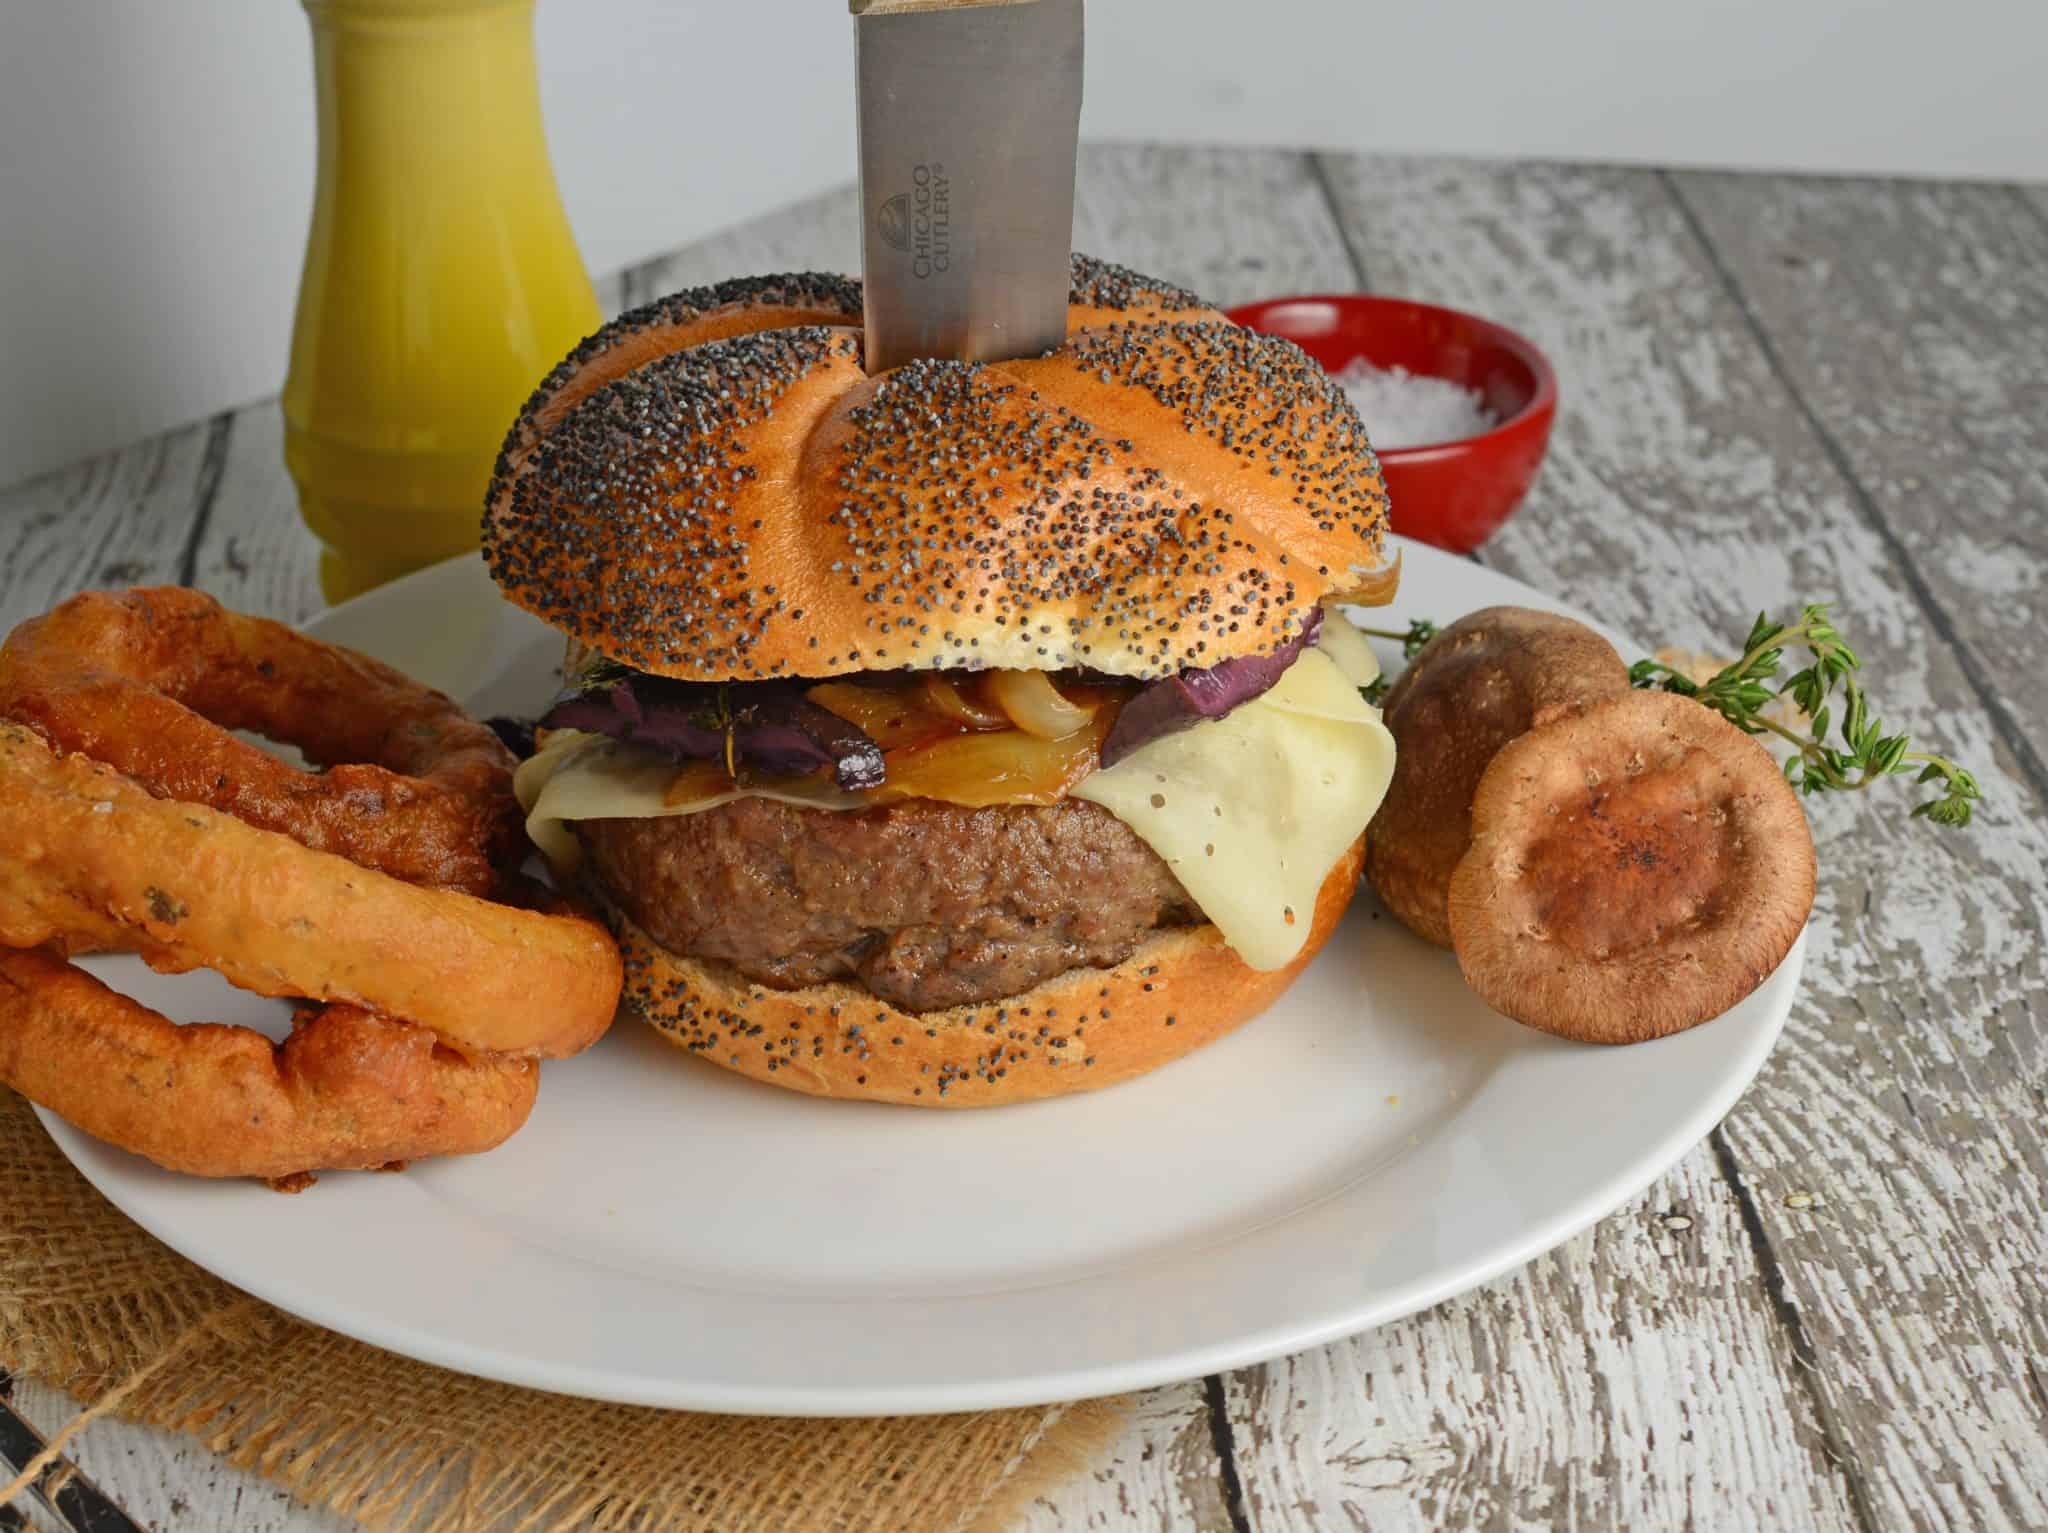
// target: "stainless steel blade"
[[969, 118]]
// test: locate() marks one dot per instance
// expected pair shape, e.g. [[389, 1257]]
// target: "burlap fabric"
[[90, 1303]]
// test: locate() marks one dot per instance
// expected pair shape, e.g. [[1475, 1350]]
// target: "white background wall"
[[156, 158]]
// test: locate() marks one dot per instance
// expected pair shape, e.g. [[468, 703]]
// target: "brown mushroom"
[[1491, 676], [1635, 870]]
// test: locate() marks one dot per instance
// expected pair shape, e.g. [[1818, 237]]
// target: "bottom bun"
[[1082, 1030]]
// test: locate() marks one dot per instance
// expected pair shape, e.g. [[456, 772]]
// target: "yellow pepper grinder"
[[441, 281]]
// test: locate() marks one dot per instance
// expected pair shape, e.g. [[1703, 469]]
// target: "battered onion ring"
[[346, 1091], [150, 681], [92, 861]]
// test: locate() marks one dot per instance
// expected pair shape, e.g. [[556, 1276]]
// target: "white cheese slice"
[[582, 776], [1349, 648], [1252, 810]]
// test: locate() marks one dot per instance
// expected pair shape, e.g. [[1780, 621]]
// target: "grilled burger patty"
[[928, 905]]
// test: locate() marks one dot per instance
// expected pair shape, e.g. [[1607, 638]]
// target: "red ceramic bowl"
[[1452, 494]]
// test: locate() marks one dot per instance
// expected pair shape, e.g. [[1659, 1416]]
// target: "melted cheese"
[[1349, 649], [1251, 811], [582, 776]]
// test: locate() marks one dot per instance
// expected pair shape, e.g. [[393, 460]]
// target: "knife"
[[970, 112]]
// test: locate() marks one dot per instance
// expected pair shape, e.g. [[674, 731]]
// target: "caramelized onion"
[[1035, 705], [893, 717], [950, 698], [1005, 766]]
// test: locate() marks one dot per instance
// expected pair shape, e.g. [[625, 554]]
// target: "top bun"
[[713, 489]]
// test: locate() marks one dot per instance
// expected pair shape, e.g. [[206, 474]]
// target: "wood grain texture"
[[1928, 382], [1322, 1440], [170, 1482], [1230, 224], [820, 233], [1161, 1473], [1629, 1379], [253, 551], [1911, 326], [119, 519], [1889, 1155]]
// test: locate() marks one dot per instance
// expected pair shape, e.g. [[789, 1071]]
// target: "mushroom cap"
[[1490, 677], [1635, 870]]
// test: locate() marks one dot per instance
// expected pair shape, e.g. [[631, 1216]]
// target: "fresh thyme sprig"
[[1740, 694], [1419, 633]]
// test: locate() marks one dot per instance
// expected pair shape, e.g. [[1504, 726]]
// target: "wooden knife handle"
[[905, 7]]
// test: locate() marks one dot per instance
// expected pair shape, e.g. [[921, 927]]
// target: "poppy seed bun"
[[1100, 293], [1144, 499], [1103, 293], [738, 306], [1085, 1029]]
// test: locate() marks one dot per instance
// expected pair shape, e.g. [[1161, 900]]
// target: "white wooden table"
[[1831, 1314]]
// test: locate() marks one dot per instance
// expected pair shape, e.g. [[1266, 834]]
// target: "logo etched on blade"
[[894, 220], [919, 222]]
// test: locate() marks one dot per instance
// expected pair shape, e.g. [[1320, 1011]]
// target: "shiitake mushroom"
[[1608, 865], [1485, 680], [1635, 869]]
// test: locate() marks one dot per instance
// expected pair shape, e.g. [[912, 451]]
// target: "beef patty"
[[927, 904]]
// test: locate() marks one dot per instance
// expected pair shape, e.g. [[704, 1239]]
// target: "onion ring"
[[150, 681], [346, 1091], [94, 861]]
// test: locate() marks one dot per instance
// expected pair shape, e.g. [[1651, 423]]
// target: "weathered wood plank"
[[254, 552], [117, 519], [1911, 322], [820, 233], [1684, 491], [1161, 1473], [1231, 224], [168, 1481], [1318, 1437], [1624, 1381]]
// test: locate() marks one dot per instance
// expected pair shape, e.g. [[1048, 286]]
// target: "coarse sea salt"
[[1404, 409]]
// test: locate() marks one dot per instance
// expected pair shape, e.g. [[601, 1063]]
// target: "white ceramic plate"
[[666, 1233]]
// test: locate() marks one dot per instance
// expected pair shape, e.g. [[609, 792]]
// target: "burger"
[[960, 735]]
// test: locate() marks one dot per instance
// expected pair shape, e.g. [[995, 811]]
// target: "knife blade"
[[970, 113]]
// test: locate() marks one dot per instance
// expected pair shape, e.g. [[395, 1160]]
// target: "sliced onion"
[[950, 698], [1004, 766], [893, 717], [1035, 705], [769, 725], [1175, 703]]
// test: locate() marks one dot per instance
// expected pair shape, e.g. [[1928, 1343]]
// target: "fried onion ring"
[[150, 681], [94, 861], [346, 1091]]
